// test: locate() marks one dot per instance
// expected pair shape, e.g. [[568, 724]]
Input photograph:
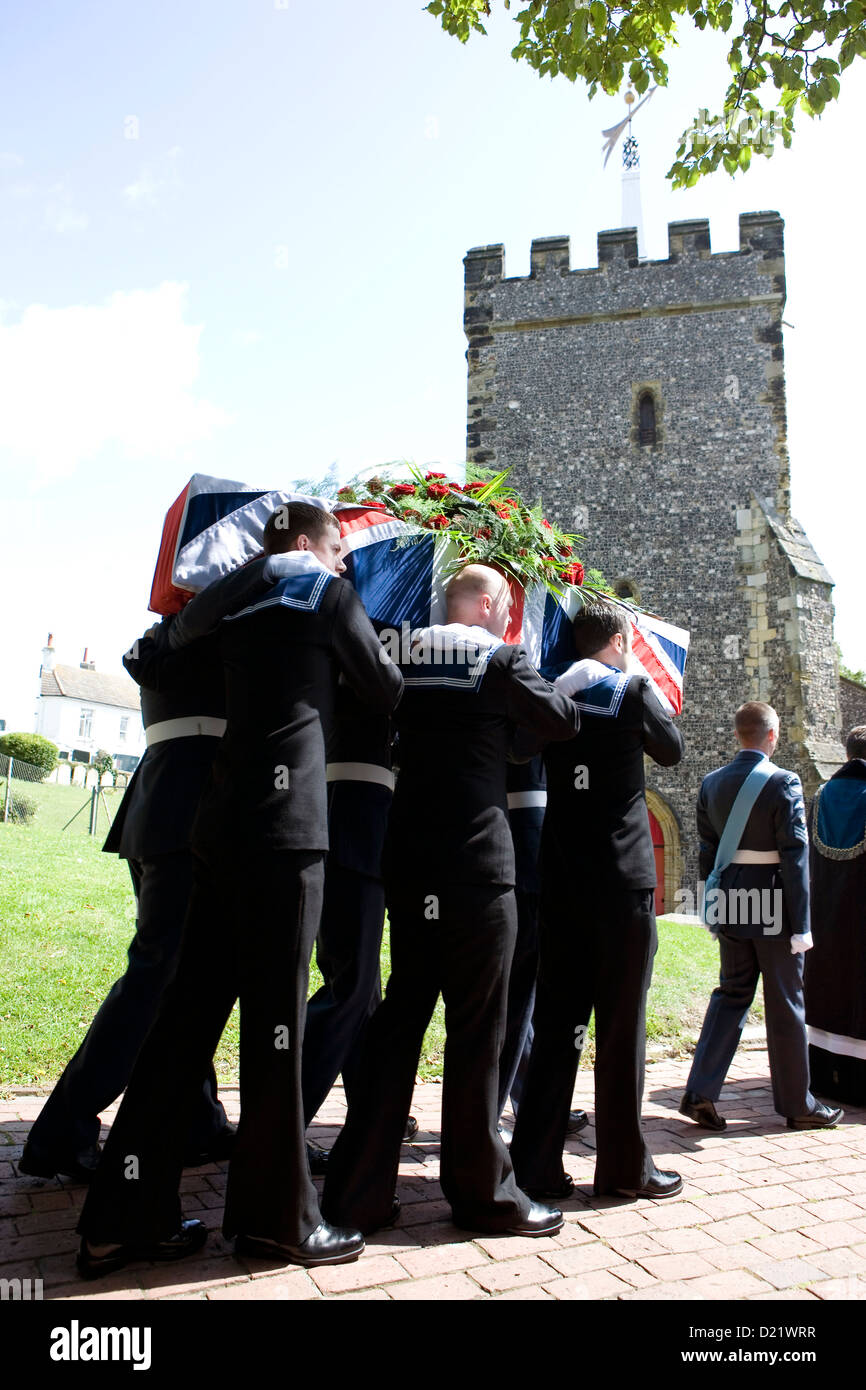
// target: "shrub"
[[103, 762], [30, 748], [21, 809]]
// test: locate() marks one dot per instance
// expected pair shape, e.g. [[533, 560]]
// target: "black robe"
[[835, 978]]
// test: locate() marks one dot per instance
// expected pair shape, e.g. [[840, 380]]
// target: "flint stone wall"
[[699, 523]]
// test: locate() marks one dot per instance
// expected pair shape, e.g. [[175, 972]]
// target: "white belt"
[[518, 801], [756, 856], [359, 772], [186, 727]]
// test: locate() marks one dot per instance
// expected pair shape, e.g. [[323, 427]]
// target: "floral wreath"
[[489, 521]]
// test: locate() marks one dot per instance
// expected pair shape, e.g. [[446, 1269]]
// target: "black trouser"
[[521, 999], [347, 953], [68, 1126], [457, 939], [597, 954], [743, 960], [249, 935]]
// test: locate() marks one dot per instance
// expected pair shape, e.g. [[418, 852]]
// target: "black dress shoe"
[[541, 1221], [318, 1160], [560, 1191], [326, 1245], [577, 1120], [411, 1130], [822, 1117], [220, 1148], [384, 1225], [81, 1169], [702, 1111], [190, 1238], [661, 1184]]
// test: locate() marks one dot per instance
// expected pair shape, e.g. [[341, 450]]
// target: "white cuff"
[[801, 944]]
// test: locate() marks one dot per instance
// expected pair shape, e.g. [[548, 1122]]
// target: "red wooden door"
[[659, 852]]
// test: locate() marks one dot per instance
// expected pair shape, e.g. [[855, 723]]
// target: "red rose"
[[437, 490], [574, 574], [344, 491], [411, 511], [428, 476], [484, 533], [436, 523], [503, 513], [547, 525], [548, 560], [509, 502], [474, 487], [564, 549], [402, 490]]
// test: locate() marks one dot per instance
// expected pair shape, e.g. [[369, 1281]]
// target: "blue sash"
[[733, 831]]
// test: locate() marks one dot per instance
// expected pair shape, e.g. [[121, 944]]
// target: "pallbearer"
[[449, 876], [598, 930], [260, 838]]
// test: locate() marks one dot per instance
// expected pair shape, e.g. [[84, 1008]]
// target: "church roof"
[[91, 685], [801, 554]]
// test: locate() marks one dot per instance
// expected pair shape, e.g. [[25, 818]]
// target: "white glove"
[[801, 944]]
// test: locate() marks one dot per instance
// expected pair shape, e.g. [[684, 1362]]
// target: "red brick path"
[[765, 1213]]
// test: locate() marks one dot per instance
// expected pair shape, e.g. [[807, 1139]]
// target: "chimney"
[[85, 664], [48, 655]]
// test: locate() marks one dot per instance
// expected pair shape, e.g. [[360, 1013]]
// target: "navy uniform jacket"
[[602, 828], [777, 822], [158, 808], [282, 658], [450, 811], [178, 666], [527, 798], [360, 785]]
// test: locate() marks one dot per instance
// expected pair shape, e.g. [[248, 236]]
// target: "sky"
[[231, 242]]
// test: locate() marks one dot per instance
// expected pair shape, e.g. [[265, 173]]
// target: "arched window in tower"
[[627, 589], [647, 418]]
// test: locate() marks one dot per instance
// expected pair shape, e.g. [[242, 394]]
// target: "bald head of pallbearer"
[[479, 596]]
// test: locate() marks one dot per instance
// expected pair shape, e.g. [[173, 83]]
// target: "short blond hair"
[[754, 720]]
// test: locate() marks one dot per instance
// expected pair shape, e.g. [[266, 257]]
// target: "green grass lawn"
[[67, 915]]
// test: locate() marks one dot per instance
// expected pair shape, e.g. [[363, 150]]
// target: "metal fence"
[[17, 806], [19, 803]]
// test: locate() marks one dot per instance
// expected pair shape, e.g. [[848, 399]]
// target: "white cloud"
[[65, 220], [122, 373], [60, 215], [148, 189]]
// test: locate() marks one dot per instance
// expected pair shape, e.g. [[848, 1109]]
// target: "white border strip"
[[837, 1042]]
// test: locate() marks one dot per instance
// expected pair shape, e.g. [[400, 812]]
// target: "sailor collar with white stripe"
[[298, 579], [449, 656], [595, 687]]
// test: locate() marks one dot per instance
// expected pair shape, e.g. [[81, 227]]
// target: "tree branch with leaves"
[[783, 58]]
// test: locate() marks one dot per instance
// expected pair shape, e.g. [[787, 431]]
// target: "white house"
[[82, 710]]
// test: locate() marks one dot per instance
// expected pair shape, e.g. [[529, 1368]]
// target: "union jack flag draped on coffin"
[[211, 528], [399, 571]]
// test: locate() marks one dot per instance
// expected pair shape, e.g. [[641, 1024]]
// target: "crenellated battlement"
[[761, 236]]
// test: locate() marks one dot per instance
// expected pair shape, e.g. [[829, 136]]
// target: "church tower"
[[644, 403]]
